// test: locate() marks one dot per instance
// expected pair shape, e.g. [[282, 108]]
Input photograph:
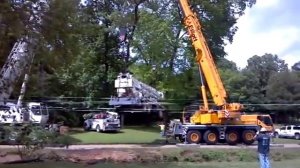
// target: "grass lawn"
[[285, 141], [127, 135], [136, 135]]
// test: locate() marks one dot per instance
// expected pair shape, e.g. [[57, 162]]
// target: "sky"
[[270, 26]]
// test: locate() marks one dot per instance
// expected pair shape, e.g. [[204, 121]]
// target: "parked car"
[[288, 131]]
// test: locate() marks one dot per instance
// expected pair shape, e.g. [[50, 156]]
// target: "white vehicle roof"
[[33, 104]]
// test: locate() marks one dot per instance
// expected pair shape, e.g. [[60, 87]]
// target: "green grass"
[[127, 135], [136, 135], [285, 164], [286, 141]]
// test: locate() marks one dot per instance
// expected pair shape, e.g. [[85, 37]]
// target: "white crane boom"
[[17, 61]]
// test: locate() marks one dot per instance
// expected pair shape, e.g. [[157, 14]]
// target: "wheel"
[[86, 127], [232, 137], [12, 137], [193, 136], [248, 136], [276, 135], [210, 137], [181, 139], [98, 128], [297, 136]]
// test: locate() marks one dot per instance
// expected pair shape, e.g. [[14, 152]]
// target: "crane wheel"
[[86, 127], [232, 137], [248, 136], [210, 137], [193, 136]]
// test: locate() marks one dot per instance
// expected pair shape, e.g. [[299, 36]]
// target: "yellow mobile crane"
[[226, 122]]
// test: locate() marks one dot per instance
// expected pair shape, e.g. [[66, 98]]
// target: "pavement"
[[136, 146]]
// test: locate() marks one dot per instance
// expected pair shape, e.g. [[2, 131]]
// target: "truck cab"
[[288, 131], [38, 113]]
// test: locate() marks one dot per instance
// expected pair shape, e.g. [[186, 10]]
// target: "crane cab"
[[38, 113]]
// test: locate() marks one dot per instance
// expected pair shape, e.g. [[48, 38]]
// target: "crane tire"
[[232, 137], [247, 136], [193, 136], [210, 137]]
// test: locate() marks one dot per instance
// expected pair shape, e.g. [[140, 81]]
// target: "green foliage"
[[296, 66], [258, 72], [213, 156], [80, 54], [29, 139], [283, 89], [234, 82]]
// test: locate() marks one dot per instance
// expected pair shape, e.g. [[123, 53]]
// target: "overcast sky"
[[270, 26]]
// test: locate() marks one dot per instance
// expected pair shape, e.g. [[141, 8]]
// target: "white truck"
[[34, 112], [13, 116], [288, 131], [102, 122]]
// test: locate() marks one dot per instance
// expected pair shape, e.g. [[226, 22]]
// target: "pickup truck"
[[288, 131], [102, 121]]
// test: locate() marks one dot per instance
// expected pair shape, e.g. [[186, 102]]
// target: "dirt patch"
[[106, 155], [121, 155], [4, 157], [101, 155]]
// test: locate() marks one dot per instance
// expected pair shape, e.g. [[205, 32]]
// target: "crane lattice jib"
[[21, 55], [132, 91], [13, 69], [146, 90]]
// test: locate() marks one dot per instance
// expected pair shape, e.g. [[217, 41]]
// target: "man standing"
[[263, 148]]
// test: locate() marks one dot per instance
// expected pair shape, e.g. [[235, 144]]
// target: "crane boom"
[[17, 61], [225, 123], [208, 68], [203, 55], [132, 91]]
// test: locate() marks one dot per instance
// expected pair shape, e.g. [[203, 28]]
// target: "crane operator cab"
[[37, 113]]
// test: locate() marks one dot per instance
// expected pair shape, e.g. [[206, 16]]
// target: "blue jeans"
[[264, 160]]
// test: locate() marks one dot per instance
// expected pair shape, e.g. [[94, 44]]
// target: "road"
[[134, 146]]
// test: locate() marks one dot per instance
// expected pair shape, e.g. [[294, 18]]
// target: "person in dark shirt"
[[263, 147]]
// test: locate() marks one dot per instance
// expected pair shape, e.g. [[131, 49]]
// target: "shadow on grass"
[[76, 131], [159, 142], [80, 131], [144, 128], [64, 141]]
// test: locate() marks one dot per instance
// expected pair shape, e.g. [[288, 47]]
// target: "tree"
[[161, 40], [258, 72], [284, 89], [296, 66]]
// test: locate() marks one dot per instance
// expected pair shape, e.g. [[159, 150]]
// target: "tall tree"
[[161, 39], [284, 90], [296, 66], [258, 72]]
